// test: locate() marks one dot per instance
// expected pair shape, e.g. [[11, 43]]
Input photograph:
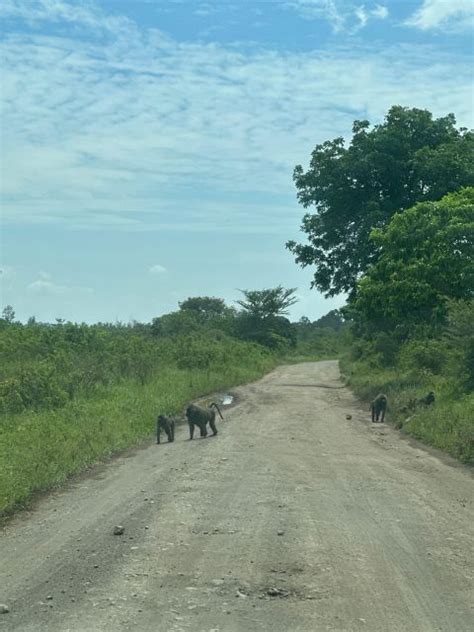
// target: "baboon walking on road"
[[200, 417], [378, 407], [167, 424]]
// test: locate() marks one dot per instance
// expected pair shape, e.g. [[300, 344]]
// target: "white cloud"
[[157, 269], [204, 9], [444, 14], [151, 134], [362, 16], [79, 13], [45, 286], [380, 11], [7, 279], [320, 9], [343, 15], [6, 272]]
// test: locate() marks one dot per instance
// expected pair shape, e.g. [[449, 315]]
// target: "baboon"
[[379, 406], [428, 400], [198, 416], [167, 424]]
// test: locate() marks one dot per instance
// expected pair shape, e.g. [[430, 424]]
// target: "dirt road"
[[292, 519]]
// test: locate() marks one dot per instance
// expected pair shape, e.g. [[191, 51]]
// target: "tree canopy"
[[205, 307], [8, 314], [410, 157], [427, 258], [268, 303]]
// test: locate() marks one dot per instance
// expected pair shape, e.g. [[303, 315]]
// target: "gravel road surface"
[[293, 518]]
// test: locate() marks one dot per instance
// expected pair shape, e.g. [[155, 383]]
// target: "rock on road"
[[293, 518]]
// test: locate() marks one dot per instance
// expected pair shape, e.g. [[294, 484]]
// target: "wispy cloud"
[[45, 286], [7, 277], [204, 9], [79, 13], [452, 15], [6, 272], [147, 133], [157, 269], [380, 11], [365, 15], [343, 15]]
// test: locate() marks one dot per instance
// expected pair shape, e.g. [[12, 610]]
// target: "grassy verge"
[[41, 449], [448, 425]]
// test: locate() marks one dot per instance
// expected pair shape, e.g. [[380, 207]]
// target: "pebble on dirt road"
[[4, 609], [277, 592], [119, 530]]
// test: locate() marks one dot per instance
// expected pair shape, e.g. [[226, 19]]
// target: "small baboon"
[[200, 417], [379, 406], [167, 424], [428, 400]]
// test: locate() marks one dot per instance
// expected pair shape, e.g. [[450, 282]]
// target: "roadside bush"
[[37, 388], [448, 426], [469, 362], [274, 332], [418, 355], [387, 346]]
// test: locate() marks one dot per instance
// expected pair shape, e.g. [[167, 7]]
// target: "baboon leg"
[[191, 431], [158, 432], [203, 429], [212, 423], [383, 415], [373, 414], [171, 437]]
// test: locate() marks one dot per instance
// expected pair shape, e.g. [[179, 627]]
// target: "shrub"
[[387, 346], [430, 355]]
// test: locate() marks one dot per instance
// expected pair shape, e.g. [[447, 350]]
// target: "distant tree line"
[[46, 365]]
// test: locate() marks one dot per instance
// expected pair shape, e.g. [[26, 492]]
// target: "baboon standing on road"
[[167, 424], [200, 417], [378, 407]]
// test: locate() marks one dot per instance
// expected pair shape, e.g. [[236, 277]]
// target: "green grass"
[[39, 450], [447, 425]]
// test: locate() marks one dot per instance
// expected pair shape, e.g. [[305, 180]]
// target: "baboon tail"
[[217, 408]]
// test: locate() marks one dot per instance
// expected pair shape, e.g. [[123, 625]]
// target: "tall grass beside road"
[[447, 425], [42, 445]]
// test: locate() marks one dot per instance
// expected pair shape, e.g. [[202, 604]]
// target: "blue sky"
[[148, 146]]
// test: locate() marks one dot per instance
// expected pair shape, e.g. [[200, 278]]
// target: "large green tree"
[[409, 158], [8, 314], [268, 303], [205, 307], [196, 313], [263, 317], [427, 259]]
